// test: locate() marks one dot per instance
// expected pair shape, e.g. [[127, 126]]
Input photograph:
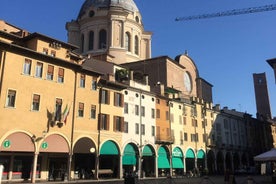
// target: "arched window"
[[91, 40], [102, 40], [82, 43], [136, 45], [127, 41]]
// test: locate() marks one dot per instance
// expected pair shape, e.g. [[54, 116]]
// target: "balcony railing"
[[164, 139]]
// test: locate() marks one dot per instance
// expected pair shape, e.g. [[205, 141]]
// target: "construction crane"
[[230, 13]]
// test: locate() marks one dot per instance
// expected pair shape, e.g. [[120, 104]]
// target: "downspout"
[[2, 67], [72, 128]]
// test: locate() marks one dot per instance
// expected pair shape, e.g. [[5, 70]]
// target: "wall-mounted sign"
[[44, 145], [7, 143]]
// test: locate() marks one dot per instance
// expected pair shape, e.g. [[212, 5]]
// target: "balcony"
[[164, 139]]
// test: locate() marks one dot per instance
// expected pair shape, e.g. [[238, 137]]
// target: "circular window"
[[126, 92], [91, 13]]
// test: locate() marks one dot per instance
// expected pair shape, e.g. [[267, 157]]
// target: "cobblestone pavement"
[[256, 179]]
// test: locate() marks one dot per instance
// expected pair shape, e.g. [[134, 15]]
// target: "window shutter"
[[107, 97], [114, 123], [107, 122], [122, 100], [122, 124]]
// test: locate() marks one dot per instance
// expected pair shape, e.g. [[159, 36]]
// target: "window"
[[102, 39], [81, 109], [167, 115], [143, 131], [50, 72], [118, 124], [136, 110], [93, 112], [104, 96], [38, 69], [157, 113], [181, 138], [118, 99], [194, 137], [60, 75], [194, 122], [104, 122], [126, 108], [10, 102], [82, 81], [36, 102], [143, 111], [45, 51], [152, 131], [27, 67], [91, 40], [58, 109], [205, 138], [136, 128], [184, 120], [136, 45], [225, 122], [204, 123], [127, 41], [172, 117], [94, 84], [152, 113], [185, 136], [158, 101], [126, 127], [53, 53]]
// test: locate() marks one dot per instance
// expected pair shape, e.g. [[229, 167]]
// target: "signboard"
[[44, 145], [7, 143]]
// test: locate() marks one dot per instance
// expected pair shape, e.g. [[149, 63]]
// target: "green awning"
[[109, 148], [147, 151], [190, 154], [177, 158], [177, 163], [129, 157], [200, 154], [163, 161]]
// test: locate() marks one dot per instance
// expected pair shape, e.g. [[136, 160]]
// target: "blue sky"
[[226, 50]]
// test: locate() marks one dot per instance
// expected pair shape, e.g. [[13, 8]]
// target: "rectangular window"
[[81, 109], [45, 51], [167, 115], [118, 99], [50, 72], [58, 109], [36, 102], [181, 138], [157, 113], [143, 130], [126, 108], [184, 120], [104, 121], [60, 75], [82, 81], [118, 124], [172, 117], [143, 111], [27, 67], [126, 127], [136, 110], [93, 112], [152, 131], [194, 137], [158, 101], [152, 113], [10, 102], [194, 122], [53, 53], [94, 84], [180, 119], [136, 128], [104, 96], [185, 137], [38, 70]]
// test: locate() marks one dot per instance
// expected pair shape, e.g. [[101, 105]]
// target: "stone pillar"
[[34, 167]]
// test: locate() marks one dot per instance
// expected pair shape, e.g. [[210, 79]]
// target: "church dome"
[[126, 4]]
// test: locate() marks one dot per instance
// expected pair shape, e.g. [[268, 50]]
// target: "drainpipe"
[[72, 129], [141, 141], [3, 59]]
